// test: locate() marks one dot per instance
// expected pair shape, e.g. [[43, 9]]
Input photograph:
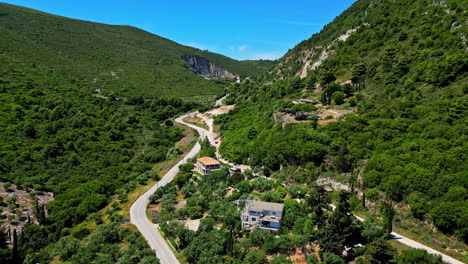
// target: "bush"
[[237, 178], [187, 167], [244, 187], [255, 256], [338, 97], [416, 256]]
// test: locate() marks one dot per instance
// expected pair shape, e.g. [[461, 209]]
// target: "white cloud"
[[242, 48]]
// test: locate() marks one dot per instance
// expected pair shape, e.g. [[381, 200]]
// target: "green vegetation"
[[404, 68], [408, 70], [84, 112], [58, 137], [308, 222], [115, 60], [243, 68]]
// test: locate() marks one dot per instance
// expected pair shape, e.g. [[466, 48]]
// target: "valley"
[[213, 138], [121, 146]]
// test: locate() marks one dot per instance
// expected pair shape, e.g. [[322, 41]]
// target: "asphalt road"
[[411, 243], [138, 210], [414, 244], [157, 242], [220, 100]]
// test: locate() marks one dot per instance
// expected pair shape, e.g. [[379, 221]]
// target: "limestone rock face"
[[207, 69]]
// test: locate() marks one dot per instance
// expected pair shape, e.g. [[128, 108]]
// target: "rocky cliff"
[[207, 69]]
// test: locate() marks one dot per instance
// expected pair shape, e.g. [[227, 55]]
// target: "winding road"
[[158, 243], [138, 210]]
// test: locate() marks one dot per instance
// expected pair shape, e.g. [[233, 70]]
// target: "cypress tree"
[[363, 200], [14, 252], [388, 213], [3, 239]]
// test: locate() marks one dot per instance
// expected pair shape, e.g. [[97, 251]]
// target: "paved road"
[[138, 210], [157, 242], [414, 244], [411, 243], [220, 100]]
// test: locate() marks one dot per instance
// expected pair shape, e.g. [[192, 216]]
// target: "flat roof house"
[[307, 101], [206, 165], [262, 214]]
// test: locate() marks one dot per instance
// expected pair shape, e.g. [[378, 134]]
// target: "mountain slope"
[[401, 68], [120, 59], [425, 29]]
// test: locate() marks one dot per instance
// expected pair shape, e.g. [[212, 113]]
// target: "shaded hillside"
[[115, 59]]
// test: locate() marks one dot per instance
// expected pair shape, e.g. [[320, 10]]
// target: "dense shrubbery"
[[307, 221], [116, 60], [59, 138], [408, 69]]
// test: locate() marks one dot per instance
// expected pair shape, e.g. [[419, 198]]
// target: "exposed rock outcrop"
[[206, 68], [311, 59]]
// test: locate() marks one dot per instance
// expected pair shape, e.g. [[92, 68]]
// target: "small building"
[[303, 115], [206, 165], [234, 169], [262, 214], [307, 101]]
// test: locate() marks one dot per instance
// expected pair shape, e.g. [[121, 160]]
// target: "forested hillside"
[[56, 136], [119, 60], [402, 69]]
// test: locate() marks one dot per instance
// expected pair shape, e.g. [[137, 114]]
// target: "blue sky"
[[239, 29]]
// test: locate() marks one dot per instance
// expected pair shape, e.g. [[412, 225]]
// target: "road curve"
[[411, 243], [138, 210], [157, 242], [220, 100], [402, 239]]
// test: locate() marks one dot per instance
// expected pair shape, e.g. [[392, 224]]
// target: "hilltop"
[[403, 38], [113, 59]]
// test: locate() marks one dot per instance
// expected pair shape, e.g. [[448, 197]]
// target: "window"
[[254, 219]]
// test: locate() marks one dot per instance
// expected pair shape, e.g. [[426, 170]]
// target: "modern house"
[[262, 214], [206, 165]]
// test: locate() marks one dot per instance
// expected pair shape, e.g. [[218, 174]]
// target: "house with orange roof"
[[206, 165]]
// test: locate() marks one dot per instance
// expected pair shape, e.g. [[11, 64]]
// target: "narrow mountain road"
[[402, 239], [158, 243], [138, 210], [411, 243], [220, 100]]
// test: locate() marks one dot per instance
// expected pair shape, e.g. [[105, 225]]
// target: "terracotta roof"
[[208, 161]]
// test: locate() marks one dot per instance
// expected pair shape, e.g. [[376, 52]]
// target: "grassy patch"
[[200, 99], [425, 241], [185, 144], [198, 124], [398, 246]]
